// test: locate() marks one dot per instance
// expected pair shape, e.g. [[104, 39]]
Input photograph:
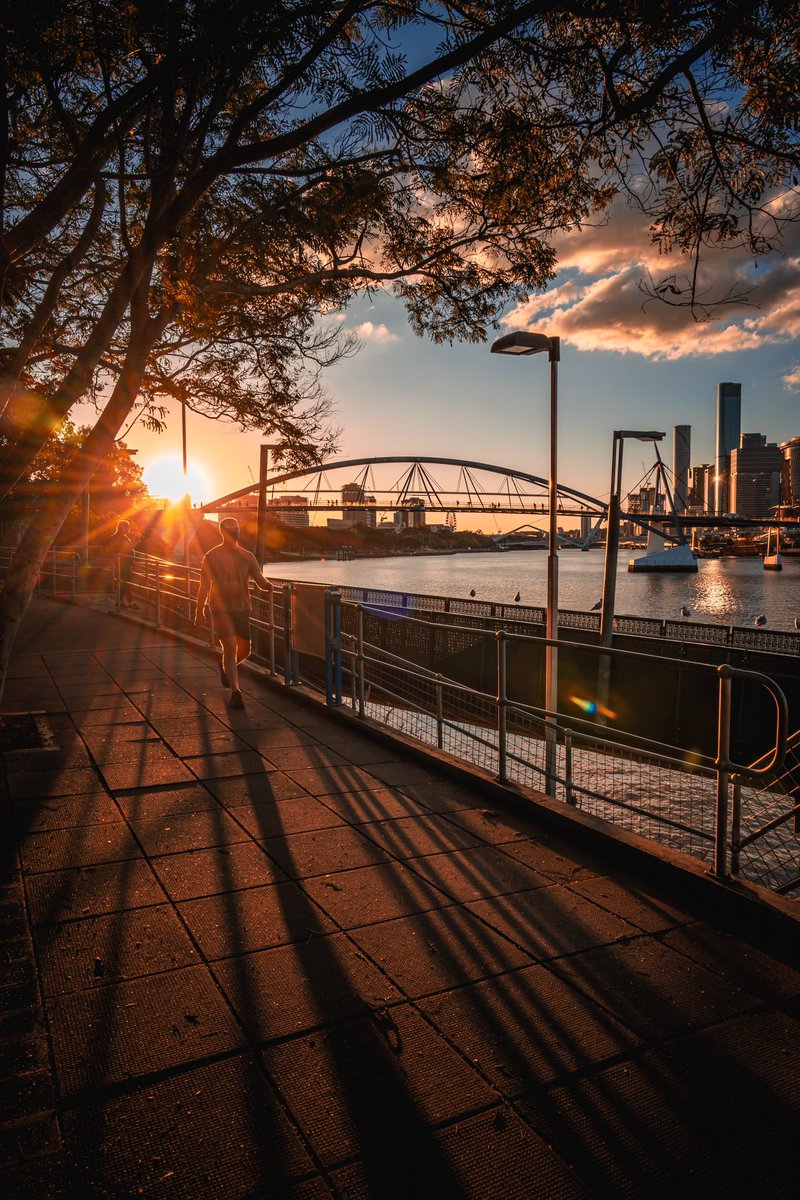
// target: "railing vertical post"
[[291, 659], [502, 716], [736, 823], [360, 662], [337, 634], [287, 633], [439, 712], [333, 647], [723, 773], [75, 561], [329, 649], [569, 795], [158, 593], [271, 611], [54, 573]]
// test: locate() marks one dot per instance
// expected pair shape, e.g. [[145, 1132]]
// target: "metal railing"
[[762, 844], [739, 636], [740, 819], [58, 574], [657, 790]]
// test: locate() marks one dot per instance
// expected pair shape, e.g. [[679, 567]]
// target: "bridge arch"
[[477, 487]]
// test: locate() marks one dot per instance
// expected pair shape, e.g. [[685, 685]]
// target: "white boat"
[[772, 553]]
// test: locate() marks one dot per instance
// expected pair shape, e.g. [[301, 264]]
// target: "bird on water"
[[596, 607], [760, 619], [518, 597], [473, 593], [685, 612]]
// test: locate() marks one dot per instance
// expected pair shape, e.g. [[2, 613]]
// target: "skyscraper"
[[681, 451], [729, 426], [755, 476], [790, 483]]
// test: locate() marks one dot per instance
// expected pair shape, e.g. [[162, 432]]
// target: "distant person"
[[121, 547], [224, 578]]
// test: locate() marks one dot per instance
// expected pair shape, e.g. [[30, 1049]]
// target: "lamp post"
[[612, 552], [261, 515], [523, 342], [185, 501]]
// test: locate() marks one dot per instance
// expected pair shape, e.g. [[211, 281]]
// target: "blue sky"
[[401, 394]]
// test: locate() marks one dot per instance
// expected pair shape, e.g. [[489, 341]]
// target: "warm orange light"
[[590, 707], [166, 480]]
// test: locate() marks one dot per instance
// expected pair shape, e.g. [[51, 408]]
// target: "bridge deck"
[[260, 955]]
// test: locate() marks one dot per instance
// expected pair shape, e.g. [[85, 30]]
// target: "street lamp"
[[526, 342], [612, 553], [185, 498], [612, 525]]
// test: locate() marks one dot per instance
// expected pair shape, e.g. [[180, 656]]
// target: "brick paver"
[[260, 954]]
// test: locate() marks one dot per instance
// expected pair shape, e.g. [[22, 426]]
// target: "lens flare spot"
[[590, 707]]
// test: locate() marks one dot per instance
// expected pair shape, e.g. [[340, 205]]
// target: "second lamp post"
[[525, 342]]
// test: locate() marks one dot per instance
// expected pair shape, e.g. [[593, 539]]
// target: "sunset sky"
[[625, 362]]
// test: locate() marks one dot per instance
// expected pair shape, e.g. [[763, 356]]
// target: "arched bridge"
[[403, 483]]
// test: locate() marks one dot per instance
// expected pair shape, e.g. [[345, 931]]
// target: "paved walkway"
[[259, 955]]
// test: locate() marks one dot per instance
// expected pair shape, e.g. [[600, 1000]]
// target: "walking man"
[[224, 587]]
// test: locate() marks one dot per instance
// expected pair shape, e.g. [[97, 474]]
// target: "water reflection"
[[727, 591]]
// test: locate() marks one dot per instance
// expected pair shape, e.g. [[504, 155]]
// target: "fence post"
[[333, 647], [271, 613], [569, 795], [502, 715], [287, 634], [291, 660], [439, 712], [360, 661], [736, 823], [158, 593], [723, 773]]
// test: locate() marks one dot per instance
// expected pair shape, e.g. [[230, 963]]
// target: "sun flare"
[[165, 479]]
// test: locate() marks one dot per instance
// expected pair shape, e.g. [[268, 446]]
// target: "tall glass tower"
[[681, 456], [729, 427]]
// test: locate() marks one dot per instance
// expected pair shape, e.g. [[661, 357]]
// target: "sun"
[[165, 479]]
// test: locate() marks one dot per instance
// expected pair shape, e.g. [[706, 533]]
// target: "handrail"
[[700, 632], [725, 767], [778, 752], [792, 740], [622, 738]]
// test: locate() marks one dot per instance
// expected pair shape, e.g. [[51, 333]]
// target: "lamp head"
[[525, 341]]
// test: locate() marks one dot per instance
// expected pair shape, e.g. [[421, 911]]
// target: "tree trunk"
[[19, 454], [21, 580]]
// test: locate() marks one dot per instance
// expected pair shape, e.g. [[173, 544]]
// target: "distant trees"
[[190, 192], [116, 489]]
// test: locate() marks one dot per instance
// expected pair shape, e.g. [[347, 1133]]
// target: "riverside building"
[[790, 472], [755, 476]]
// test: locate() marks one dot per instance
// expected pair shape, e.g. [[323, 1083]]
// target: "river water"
[[726, 591]]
